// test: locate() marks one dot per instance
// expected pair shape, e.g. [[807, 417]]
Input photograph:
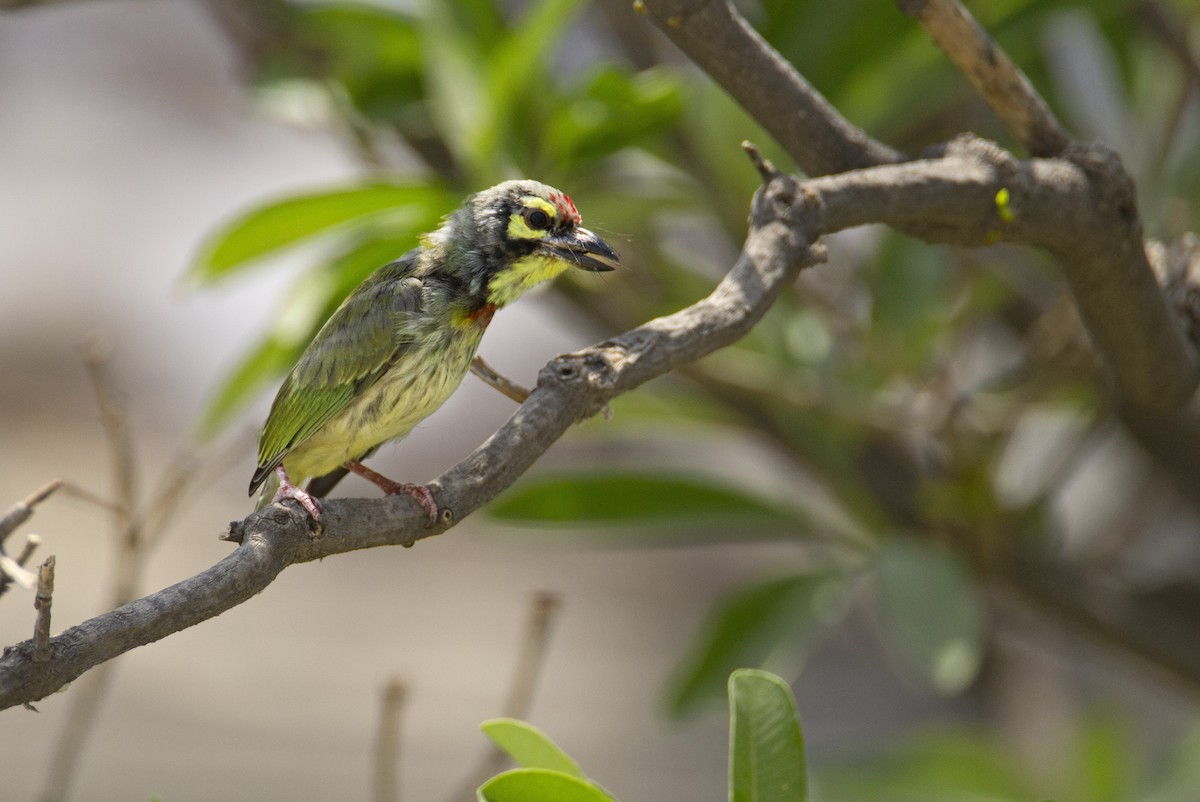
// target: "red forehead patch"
[[565, 207]]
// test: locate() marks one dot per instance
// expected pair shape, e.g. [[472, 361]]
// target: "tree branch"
[[815, 134], [989, 69], [1095, 234], [783, 228], [1077, 207]]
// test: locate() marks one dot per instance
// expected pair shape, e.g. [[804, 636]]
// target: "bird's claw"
[[306, 500], [421, 493]]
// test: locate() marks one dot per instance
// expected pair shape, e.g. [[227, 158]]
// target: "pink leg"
[[420, 492], [289, 490]]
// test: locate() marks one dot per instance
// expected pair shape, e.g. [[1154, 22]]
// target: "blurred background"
[[907, 490]]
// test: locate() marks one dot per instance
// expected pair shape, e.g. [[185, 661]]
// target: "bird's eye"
[[536, 219]]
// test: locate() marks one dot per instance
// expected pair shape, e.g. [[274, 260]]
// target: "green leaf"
[[530, 747], [930, 613], [288, 222], [539, 785], [766, 746], [627, 499], [785, 614]]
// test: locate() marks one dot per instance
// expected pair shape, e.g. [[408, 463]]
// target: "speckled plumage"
[[401, 343]]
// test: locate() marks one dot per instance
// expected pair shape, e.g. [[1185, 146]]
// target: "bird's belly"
[[409, 392]]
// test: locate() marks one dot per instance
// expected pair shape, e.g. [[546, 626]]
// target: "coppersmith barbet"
[[402, 341]]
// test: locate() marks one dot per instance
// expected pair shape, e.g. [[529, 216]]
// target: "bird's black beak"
[[583, 249]]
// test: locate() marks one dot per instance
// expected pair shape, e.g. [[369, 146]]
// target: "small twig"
[[761, 163], [23, 509], [387, 742], [498, 382], [520, 694], [136, 530], [1000, 82], [543, 608], [83, 494], [96, 355], [41, 603], [13, 571], [27, 550]]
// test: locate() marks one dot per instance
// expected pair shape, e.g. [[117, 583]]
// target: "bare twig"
[[23, 509], [12, 570], [387, 742], [42, 602], [136, 530], [96, 355], [1003, 86], [542, 611], [498, 381], [27, 550]]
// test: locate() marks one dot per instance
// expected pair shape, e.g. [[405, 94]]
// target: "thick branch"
[[570, 388], [989, 69], [1080, 208], [715, 36]]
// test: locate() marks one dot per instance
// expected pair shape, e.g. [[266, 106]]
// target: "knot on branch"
[[783, 198], [279, 522], [785, 202], [595, 367]]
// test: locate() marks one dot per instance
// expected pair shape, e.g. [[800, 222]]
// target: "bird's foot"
[[421, 493], [307, 501]]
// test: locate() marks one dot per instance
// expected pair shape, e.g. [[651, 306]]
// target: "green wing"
[[350, 352]]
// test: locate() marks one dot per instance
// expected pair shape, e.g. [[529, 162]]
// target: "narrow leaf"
[[288, 222], [628, 498], [766, 746], [539, 785], [530, 747]]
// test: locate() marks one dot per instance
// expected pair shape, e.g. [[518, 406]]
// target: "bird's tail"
[[266, 493]]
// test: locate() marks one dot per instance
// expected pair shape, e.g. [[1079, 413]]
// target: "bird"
[[402, 341]]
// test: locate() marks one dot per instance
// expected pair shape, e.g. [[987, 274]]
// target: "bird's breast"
[[419, 381]]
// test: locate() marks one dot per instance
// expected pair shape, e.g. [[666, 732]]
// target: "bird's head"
[[518, 234]]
